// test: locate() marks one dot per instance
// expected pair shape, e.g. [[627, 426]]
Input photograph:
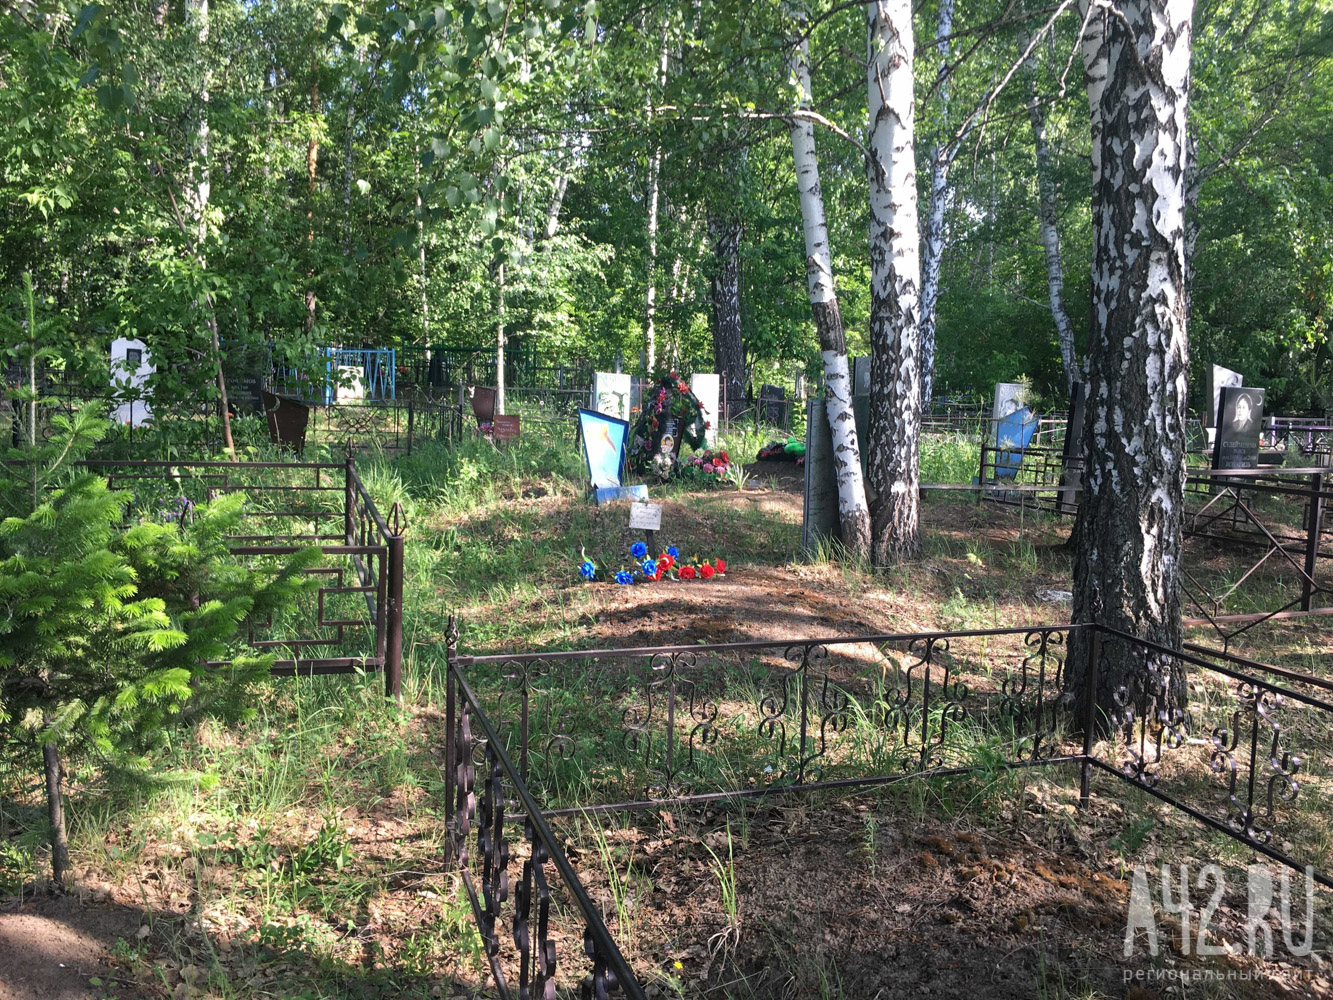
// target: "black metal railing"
[[354, 620], [1249, 758], [484, 847]]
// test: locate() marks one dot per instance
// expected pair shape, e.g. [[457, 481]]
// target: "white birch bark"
[[853, 512], [500, 338], [197, 197], [941, 200], [1048, 217], [1127, 573], [895, 277], [654, 184]]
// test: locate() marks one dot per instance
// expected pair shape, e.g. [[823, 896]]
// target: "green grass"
[[326, 806]]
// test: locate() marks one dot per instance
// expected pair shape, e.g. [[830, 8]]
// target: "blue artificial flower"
[[638, 550], [673, 552], [624, 577], [649, 567], [588, 570]]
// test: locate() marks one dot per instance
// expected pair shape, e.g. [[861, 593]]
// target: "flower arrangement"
[[671, 415], [708, 467], [645, 568]]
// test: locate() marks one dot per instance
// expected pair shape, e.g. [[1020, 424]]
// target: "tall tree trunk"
[[553, 211], [55, 809], [421, 255], [500, 340], [654, 185], [200, 192], [895, 275], [853, 514], [941, 199], [1049, 217], [725, 288], [1127, 570], [312, 168]]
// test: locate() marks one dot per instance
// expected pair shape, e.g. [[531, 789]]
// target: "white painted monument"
[[131, 364], [1010, 397], [610, 394], [350, 387], [708, 388]]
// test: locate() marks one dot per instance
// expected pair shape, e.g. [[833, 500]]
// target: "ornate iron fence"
[[354, 619], [569, 733]]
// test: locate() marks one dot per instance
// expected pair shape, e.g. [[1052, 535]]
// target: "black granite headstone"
[[1240, 416], [773, 405]]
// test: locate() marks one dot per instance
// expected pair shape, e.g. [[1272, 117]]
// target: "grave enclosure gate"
[[536, 737], [353, 620]]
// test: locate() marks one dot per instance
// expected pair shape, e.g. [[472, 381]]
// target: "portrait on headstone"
[[1240, 415]]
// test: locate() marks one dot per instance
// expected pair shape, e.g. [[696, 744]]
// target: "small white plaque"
[[645, 516]]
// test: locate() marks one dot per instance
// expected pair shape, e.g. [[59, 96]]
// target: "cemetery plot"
[[350, 617], [693, 726]]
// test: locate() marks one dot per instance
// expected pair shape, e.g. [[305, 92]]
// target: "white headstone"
[[610, 394], [350, 387], [708, 389], [1219, 378], [1009, 398], [131, 364]]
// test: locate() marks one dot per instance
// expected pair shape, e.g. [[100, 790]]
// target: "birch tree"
[[1127, 571], [1048, 217], [895, 275], [941, 199], [853, 514]]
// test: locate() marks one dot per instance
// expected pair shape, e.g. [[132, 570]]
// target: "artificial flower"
[[706, 571], [673, 552], [721, 565], [588, 570], [687, 572], [624, 577], [638, 550], [649, 568]]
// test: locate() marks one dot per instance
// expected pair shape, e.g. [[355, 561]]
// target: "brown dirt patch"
[[49, 949]]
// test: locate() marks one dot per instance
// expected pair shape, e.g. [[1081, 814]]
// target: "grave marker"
[[708, 388], [773, 405], [819, 518], [1240, 416], [604, 440], [1009, 398], [505, 427], [131, 364], [645, 516], [611, 394]]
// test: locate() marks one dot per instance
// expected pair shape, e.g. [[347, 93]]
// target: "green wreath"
[[670, 414]]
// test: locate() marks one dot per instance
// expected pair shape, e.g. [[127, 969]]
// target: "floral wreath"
[[669, 399]]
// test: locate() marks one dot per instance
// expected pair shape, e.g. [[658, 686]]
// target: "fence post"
[[349, 499], [450, 726], [1313, 528], [981, 473], [411, 423], [393, 646], [1089, 715]]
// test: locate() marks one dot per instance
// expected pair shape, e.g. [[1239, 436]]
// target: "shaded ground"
[[51, 948]]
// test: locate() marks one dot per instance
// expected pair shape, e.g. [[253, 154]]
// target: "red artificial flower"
[[721, 565], [706, 571], [687, 572], [664, 564]]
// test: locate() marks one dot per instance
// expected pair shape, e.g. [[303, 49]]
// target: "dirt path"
[[51, 948]]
